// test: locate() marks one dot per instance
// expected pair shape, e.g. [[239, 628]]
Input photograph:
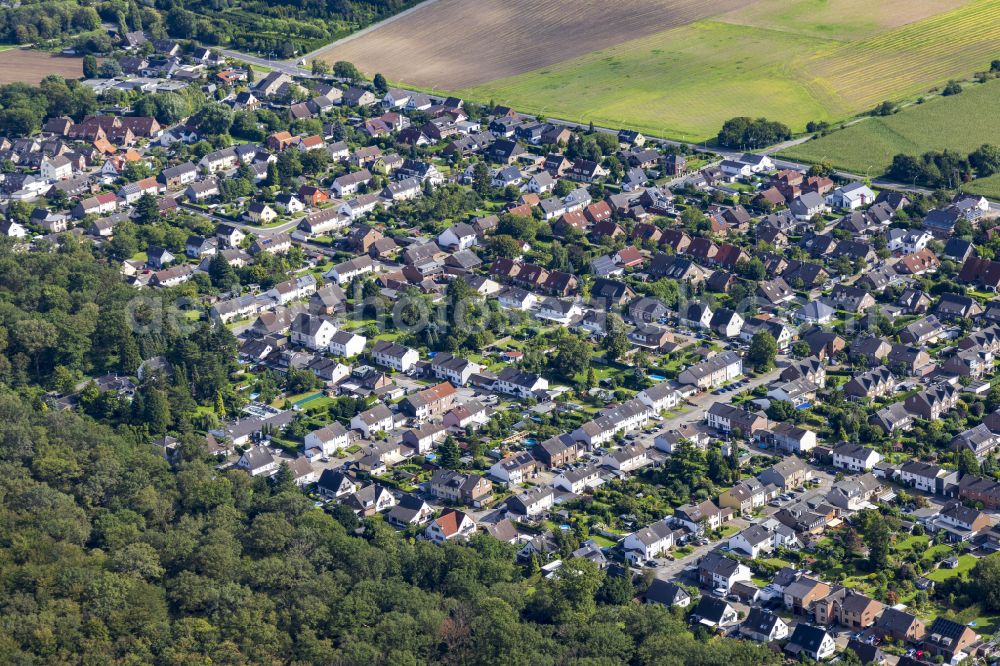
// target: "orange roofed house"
[[450, 525], [312, 196], [433, 401], [280, 141]]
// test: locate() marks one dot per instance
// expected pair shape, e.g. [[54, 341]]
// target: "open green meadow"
[[683, 82], [792, 61], [960, 122]]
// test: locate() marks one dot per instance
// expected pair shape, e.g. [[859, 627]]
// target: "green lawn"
[[860, 583], [911, 543], [727, 531], [604, 542], [935, 553], [773, 59], [965, 564], [973, 616], [960, 122], [776, 562], [301, 399]]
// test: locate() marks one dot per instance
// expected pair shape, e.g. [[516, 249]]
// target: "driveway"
[[674, 569]]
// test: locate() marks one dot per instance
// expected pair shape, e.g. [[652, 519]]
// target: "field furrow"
[[28, 66], [455, 44]]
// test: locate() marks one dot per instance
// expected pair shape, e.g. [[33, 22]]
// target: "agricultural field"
[[988, 187], [842, 20], [32, 66], [960, 122], [455, 44], [650, 84], [679, 69]]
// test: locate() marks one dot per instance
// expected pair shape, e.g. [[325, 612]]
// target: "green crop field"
[[988, 187], [793, 61], [681, 82], [960, 122]]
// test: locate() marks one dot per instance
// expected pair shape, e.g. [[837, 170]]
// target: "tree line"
[[749, 134], [947, 168], [24, 108]]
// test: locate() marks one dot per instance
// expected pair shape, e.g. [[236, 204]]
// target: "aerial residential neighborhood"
[[299, 352]]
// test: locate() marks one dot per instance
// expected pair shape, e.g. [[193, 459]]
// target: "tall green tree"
[[449, 453], [90, 66], [615, 341], [763, 350]]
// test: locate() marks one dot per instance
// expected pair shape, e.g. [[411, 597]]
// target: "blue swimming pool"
[[657, 378]]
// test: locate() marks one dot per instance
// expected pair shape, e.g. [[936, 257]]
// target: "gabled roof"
[[711, 609], [896, 621], [945, 633], [664, 592], [451, 521], [718, 564], [333, 480], [807, 637], [761, 621]]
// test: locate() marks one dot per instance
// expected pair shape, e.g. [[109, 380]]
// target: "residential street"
[[292, 69], [276, 281], [256, 230], [674, 569], [259, 231]]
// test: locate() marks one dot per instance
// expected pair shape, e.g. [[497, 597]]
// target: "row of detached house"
[[563, 455], [813, 637], [818, 606], [817, 609]]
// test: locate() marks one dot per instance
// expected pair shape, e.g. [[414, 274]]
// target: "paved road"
[[253, 228], [675, 568], [693, 414], [696, 405], [261, 232], [288, 67]]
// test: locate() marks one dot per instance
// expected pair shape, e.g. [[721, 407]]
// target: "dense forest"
[[282, 27], [110, 555]]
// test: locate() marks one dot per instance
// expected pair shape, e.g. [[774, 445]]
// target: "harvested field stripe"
[[915, 57], [680, 68]]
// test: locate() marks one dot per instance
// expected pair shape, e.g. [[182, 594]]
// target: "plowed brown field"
[[487, 40], [33, 66]]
